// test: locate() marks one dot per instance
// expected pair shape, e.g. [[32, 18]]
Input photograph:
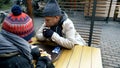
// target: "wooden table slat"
[[86, 58], [62, 62], [75, 57], [96, 58]]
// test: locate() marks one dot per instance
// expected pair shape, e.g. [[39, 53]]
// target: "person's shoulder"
[[67, 21]]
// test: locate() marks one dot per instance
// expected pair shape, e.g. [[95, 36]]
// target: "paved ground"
[[110, 45]]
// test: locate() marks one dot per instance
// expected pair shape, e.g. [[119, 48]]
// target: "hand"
[[44, 53], [35, 52], [47, 33], [44, 62]]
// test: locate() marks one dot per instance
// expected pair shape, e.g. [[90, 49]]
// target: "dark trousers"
[[15, 62]]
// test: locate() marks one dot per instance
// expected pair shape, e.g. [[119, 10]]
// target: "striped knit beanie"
[[20, 24]]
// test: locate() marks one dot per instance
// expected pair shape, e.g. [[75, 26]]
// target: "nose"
[[46, 23]]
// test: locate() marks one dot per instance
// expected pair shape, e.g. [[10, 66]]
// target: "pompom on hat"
[[16, 10], [52, 9], [21, 25]]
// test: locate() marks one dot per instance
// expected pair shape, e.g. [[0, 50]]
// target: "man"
[[58, 27], [15, 51]]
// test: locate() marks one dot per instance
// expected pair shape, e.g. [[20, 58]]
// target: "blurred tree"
[[1, 3], [5, 4], [6, 1]]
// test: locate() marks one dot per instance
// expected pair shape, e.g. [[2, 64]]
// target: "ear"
[[57, 17]]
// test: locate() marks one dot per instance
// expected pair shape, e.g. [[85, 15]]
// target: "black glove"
[[35, 53], [47, 33], [44, 62]]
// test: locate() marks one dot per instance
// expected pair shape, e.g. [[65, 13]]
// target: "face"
[[51, 21]]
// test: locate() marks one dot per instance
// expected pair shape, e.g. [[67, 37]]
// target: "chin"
[[48, 25]]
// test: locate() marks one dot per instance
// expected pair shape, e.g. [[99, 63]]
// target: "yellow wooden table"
[[80, 57]]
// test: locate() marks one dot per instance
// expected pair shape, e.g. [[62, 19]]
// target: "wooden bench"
[[80, 57]]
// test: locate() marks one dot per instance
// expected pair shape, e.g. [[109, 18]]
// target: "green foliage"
[[5, 4]]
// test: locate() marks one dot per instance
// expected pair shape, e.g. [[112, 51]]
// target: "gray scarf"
[[16, 43]]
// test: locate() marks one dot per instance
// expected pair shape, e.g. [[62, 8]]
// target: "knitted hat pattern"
[[21, 25], [52, 9]]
